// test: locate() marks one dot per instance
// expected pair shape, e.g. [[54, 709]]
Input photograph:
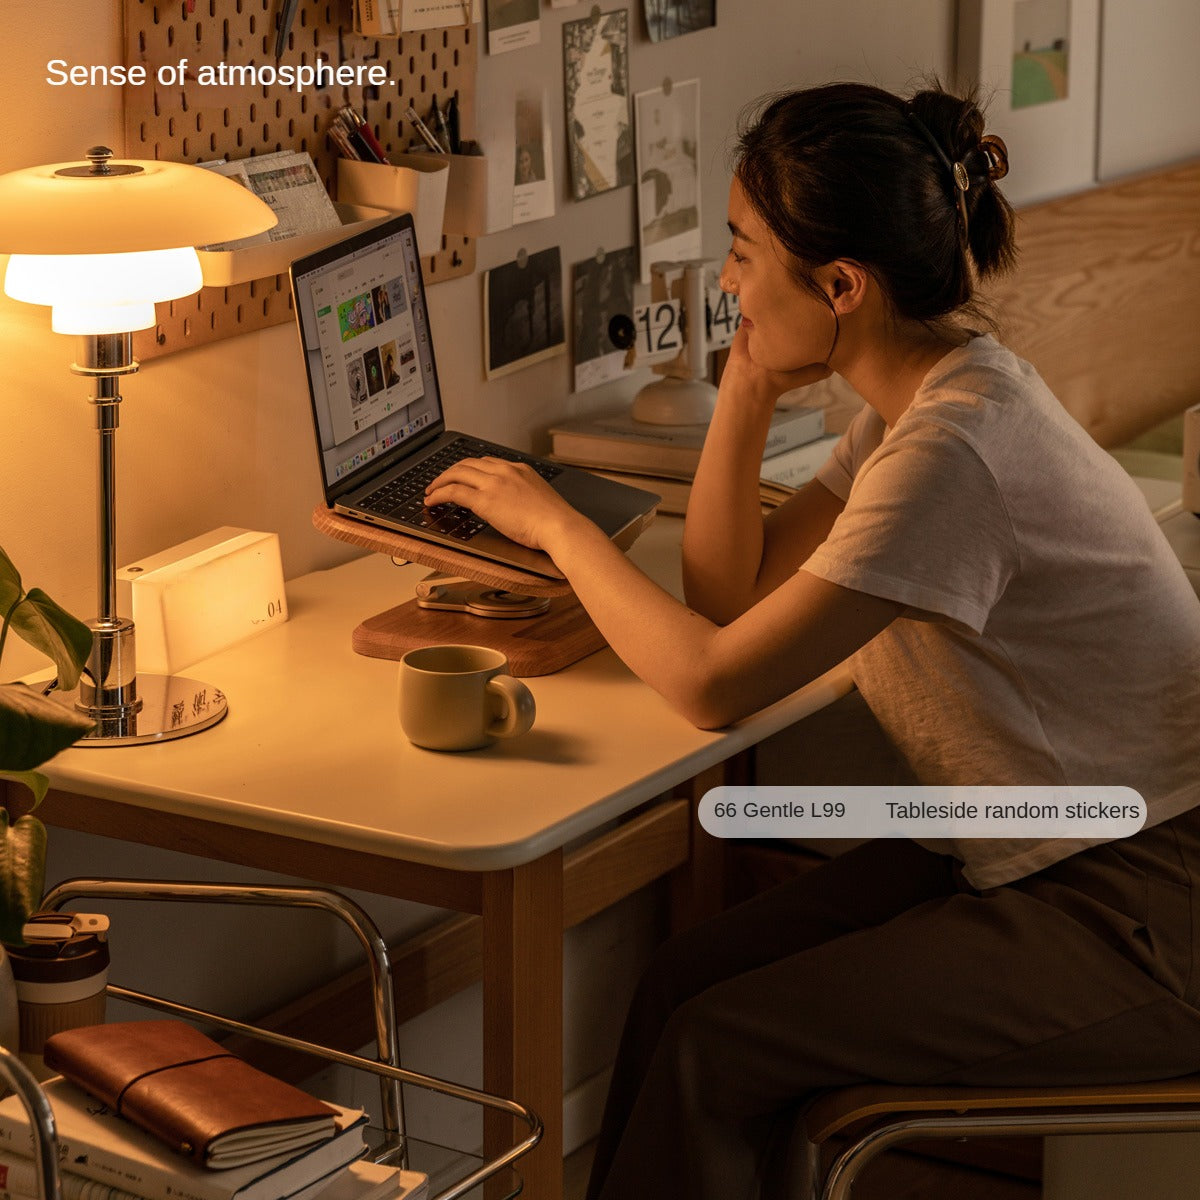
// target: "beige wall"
[[221, 435]]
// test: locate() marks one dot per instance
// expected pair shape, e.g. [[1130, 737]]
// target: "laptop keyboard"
[[402, 498]]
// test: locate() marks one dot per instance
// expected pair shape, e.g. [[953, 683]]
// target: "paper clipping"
[[523, 313], [289, 183], [668, 171], [673, 18], [603, 289], [513, 24], [408, 16], [533, 172], [596, 70]]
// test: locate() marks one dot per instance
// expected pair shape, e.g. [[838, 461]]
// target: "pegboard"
[[193, 123]]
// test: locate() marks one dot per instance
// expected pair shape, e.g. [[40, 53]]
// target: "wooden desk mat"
[[533, 645]]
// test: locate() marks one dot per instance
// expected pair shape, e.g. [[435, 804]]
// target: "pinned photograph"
[[513, 24], [523, 313], [603, 289], [596, 72], [673, 18], [533, 171], [668, 172], [1041, 58]]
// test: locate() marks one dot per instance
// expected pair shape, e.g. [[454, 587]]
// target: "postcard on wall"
[[1039, 62], [603, 289], [406, 16], [523, 313], [513, 24], [1041, 51], [533, 171], [673, 18], [596, 71], [668, 172]]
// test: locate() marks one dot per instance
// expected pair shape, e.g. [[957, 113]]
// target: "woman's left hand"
[[511, 497]]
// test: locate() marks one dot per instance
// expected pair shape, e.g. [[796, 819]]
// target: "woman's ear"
[[845, 282]]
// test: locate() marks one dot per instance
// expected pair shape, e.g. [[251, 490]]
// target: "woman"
[[1014, 617]]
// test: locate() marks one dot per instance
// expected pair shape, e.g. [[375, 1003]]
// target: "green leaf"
[[35, 781], [50, 628], [10, 583], [22, 873], [34, 728]]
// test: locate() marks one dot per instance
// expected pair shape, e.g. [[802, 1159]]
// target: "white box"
[[203, 595]]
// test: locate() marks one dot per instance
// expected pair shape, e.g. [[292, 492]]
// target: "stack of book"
[[663, 458], [185, 1133]]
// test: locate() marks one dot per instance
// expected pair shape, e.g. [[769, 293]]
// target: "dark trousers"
[[883, 965]]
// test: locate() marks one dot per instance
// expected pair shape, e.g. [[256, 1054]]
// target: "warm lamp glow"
[[126, 205], [103, 293], [100, 243]]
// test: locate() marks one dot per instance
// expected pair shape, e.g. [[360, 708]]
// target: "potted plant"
[[33, 729]]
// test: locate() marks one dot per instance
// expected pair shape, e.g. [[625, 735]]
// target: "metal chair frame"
[[894, 1118]]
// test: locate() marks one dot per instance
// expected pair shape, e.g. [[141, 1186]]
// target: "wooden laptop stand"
[[558, 634]]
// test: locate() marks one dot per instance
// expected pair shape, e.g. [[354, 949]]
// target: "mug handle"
[[517, 702]]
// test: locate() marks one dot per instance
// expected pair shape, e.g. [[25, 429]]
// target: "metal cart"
[[395, 1146]]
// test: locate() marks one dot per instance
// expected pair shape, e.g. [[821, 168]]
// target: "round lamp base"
[[172, 706]]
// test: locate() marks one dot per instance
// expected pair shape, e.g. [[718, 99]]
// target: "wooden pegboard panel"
[[190, 123]]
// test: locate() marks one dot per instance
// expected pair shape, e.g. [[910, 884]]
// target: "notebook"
[[377, 409]]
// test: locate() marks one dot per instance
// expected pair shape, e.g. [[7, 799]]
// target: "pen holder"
[[467, 196], [416, 183]]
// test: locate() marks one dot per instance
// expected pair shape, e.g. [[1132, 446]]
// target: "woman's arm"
[[731, 557], [712, 674]]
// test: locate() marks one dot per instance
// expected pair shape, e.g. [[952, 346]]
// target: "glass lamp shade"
[[103, 293], [101, 242], [129, 205]]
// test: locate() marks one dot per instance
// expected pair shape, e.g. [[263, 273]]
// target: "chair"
[[874, 1118]]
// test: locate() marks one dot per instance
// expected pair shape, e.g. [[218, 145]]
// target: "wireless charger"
[[537, 623]]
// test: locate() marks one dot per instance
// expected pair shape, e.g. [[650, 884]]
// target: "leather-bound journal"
[[189, 1091]]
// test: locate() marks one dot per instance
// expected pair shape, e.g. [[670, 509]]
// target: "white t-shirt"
[[1055, 639]]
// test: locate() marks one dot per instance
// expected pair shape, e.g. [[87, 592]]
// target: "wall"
[[221, 435], [1150, 88]]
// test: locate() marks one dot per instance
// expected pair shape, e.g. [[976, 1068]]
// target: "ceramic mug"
[[461, 698]]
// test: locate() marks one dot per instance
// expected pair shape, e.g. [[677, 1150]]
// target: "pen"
[[439, 123], [452, 122], [423, 130], [366, 133]]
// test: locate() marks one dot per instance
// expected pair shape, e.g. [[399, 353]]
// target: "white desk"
[[309, 774]]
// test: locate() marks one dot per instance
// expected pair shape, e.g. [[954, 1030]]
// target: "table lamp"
[[101, 242]]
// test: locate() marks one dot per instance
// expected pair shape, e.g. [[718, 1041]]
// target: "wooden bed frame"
[[1105, 301]]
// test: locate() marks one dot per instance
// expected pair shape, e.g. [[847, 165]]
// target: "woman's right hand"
[[756, 385]]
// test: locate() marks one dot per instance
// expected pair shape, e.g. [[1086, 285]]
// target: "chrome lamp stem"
[[127, 708]]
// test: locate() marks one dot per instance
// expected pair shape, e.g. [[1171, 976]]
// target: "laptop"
[[377, 410]]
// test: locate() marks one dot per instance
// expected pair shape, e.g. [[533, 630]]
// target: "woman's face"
[[788, 326]]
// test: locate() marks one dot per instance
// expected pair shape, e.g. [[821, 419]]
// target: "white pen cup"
[[461, 698]]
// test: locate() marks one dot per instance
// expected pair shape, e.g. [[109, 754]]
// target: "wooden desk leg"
[[698, 887], [522, 1012]]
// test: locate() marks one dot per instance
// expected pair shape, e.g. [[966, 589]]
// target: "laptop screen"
[[368, 351]]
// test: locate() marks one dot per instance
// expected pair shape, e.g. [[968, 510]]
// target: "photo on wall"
[[673, 18], [513, 24], [523, 312], [1041, 51], [1038, 64], [602, 288], [596, 79], [533, 170], [668, 173]]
